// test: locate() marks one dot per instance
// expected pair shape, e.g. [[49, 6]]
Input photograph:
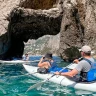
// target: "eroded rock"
[[78, 24], [23, 23]]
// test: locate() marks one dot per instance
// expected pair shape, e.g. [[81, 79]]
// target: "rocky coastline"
[[21, 20]]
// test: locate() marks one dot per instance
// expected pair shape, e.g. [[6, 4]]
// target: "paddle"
[[42, 82], [35, 61]]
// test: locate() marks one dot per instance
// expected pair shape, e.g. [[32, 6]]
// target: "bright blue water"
[[14, 81]]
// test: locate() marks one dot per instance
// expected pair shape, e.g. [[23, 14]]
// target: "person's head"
[[48, 56], [85, 50], [26, 54]]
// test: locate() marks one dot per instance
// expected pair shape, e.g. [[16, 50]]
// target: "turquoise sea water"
[[14, 81]]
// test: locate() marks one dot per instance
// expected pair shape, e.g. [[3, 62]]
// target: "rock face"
[[25, 24], [47, 43], [78, 25], [5, 35], [29, 19]]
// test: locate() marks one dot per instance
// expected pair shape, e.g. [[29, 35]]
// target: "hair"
[[48, 55], [88, 54]]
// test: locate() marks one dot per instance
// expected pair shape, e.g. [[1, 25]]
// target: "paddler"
[[83, 67]]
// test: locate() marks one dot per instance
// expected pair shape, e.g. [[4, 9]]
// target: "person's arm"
[[40, 62], [44, 64], [70, 73], [78, 60]]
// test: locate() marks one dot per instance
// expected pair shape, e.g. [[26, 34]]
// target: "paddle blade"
[[36, 85]]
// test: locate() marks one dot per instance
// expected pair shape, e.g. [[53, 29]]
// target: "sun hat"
[[48, 55], [85, 49]]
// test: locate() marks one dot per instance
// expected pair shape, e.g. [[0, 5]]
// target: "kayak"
[[16, 61], [62, 80]]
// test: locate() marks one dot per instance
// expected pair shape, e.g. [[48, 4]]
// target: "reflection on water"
[[14, 81]]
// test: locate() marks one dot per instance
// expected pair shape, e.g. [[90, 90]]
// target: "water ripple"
[[14, 81]]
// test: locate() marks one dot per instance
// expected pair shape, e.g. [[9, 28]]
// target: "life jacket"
[[91, 74]]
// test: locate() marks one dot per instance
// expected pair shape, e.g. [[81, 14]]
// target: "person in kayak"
[[46, 62], [26, 57], [82, 67]]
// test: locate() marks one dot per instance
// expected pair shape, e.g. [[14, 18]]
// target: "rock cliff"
[[21, 20], [78, 25], [25, 24]]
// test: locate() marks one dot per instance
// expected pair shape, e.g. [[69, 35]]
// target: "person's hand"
[[41, 58], [76, 61], [57, 73]]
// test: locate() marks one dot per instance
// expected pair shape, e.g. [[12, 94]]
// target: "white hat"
[[85, 49]]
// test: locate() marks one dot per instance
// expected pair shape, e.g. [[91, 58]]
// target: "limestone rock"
[[78, 24], [25, 24], [21, 20]]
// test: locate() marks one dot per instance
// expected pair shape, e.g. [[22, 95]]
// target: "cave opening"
[[25, 24]]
